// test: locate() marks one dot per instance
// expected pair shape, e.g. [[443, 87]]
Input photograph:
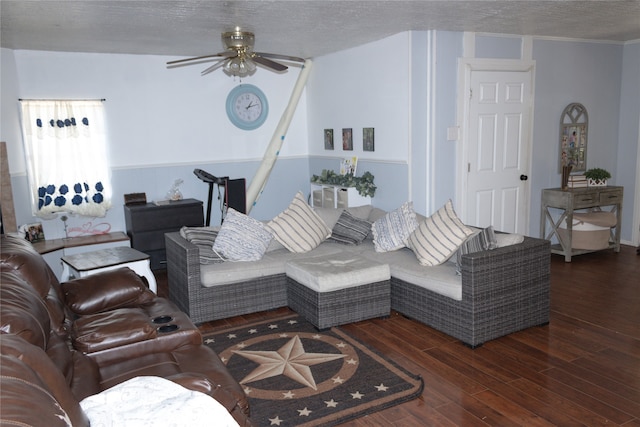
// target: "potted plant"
[[597, 177]]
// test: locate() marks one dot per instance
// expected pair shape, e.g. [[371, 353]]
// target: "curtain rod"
[[27, 99]]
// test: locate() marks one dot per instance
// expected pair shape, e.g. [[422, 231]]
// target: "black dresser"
[[147, 224]]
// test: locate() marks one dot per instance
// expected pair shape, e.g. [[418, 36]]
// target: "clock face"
[[247, 107]]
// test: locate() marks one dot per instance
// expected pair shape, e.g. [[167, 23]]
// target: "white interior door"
[[498, 150]]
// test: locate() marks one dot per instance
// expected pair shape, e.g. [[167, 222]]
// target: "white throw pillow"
[[298, 227], [241, 238], [149, 401], [508, 239], [390, 232], [438, 237]]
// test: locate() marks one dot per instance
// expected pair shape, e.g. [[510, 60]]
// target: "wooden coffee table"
[[84, 264]]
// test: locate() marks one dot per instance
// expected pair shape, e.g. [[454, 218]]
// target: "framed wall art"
[[32, 232], [347, 139], [574, 124], [328, 139], [368, 142]]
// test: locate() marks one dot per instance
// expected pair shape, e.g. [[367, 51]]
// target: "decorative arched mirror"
[[573, 138]]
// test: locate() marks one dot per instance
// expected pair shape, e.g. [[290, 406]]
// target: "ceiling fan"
[[238, 59]]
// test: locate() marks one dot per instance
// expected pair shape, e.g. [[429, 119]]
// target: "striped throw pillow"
[[484, 240], [439, 236], [298, 227], [241, 238], [203, 238], [349, 229]]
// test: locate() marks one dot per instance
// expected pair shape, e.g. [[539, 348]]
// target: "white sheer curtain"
[[66, 155]]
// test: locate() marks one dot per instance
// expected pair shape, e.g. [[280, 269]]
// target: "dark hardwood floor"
[[583, 369]]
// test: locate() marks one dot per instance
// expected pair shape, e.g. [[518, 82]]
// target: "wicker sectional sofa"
[[498, 292]]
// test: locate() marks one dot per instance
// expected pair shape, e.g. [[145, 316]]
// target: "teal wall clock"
[[247, 107]]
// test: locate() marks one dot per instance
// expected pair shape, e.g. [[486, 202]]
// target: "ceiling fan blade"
[[282, 57], [268, 63], [226, 54], [213, 67]]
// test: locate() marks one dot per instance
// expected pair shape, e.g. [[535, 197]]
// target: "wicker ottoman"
[[328, 291]]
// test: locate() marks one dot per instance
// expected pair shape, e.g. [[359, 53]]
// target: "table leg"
[[66, 273], [143, 268]]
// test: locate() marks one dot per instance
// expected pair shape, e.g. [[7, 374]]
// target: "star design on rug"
[[357, 395], [331, 403], [275, 421], [232, 336], [253, 331], [304, 412], [288, 395], [209, 341], [337, 380], [382, 387], [290, 360], [273, 326]]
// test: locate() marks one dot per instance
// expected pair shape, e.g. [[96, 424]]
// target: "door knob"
[[523, 177]]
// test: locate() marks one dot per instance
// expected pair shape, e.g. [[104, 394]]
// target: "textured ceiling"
[[301, 28]]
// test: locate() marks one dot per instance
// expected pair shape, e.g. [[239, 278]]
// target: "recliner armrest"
[[106, 291]]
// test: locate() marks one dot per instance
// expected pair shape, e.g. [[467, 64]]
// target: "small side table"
[[571, 200], [84, 264]]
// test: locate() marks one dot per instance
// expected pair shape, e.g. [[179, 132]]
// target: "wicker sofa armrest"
[[524, 264], [183, 269], [508, 285], [531, 252]]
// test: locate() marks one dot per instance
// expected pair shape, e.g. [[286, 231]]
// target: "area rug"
[[295, 375]]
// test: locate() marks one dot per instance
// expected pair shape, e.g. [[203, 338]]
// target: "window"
[[66, 156]]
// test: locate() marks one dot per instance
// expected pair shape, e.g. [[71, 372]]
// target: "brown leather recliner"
[[63, 342]]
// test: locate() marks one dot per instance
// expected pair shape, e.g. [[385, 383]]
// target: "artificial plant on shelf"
[[364, 184], [597, 176]]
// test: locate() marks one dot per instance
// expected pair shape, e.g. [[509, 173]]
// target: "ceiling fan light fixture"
[[239, 66], [239, 59]]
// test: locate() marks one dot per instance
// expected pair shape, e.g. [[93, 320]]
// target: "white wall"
[[158, 115], [627, 172], [575, 71], [358, 88], [367, 86]]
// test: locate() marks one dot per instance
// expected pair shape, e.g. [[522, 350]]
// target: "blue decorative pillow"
[[241, 238]]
